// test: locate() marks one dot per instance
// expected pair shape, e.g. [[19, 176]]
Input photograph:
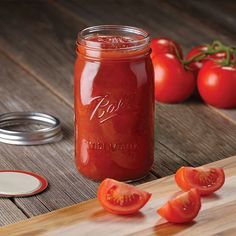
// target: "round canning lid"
[[50, 133], [18, 183]]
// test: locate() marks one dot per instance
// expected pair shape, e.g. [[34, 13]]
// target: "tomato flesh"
[[182, 208], [205, 180], [179, 179], [120, 198]]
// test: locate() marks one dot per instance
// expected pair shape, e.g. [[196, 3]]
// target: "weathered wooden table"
[[37, 41]]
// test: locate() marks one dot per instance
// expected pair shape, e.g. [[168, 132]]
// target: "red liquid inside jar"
[[114, 103]]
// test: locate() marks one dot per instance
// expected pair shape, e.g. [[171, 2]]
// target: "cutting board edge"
[[7, 229]]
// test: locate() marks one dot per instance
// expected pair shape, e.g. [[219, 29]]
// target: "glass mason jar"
[[114, 103]]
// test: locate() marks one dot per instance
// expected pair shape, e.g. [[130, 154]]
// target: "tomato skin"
[[173, 83], [205, 180], [120, 198], [183, 208], [217, 85], [165, 45], [200, 49]]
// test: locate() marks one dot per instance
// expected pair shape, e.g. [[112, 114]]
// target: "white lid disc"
[[17, 183]]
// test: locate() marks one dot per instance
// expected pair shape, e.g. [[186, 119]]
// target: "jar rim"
[[113, 30]]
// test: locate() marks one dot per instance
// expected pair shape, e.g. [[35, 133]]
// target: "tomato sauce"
[[114, 103]]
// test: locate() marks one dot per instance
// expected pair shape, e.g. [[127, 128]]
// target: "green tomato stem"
[[213, 48], [226, 62]]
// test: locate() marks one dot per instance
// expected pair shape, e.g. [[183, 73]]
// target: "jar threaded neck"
[[119, 39]]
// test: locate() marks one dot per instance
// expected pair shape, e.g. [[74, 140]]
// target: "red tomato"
[[120, 198], [217, 85], [182, 208], [173, 83], [205, 180], [165, 45], [201, 49]]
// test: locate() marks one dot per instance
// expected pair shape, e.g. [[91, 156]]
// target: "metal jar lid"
[[19, 183], [51, 133]]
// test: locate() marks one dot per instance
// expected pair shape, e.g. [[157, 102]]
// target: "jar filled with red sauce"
[[114, 103]]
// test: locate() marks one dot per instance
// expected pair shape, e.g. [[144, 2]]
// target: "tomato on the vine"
[[201, 49], [173, 82], [120, 198], [165, 45], [205, 180], [217, 84], [215, 51], [182, 208]]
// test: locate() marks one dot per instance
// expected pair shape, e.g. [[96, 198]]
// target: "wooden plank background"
[[37, 42]]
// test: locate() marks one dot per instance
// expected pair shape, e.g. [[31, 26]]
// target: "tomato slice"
[[184, 207], [120, 198], [205, 180]]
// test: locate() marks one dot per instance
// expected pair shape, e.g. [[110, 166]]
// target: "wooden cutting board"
[[217, 216]]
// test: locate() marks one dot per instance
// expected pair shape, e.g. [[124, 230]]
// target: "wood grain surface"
[[88, 218], [9, 212], [54, 161], [37, 52]]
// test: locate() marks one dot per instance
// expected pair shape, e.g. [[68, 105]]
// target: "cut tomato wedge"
[[120, 198], [184, 207], [205, 180]]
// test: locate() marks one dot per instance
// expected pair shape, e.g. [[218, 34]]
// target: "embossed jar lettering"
[[106, 109]]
